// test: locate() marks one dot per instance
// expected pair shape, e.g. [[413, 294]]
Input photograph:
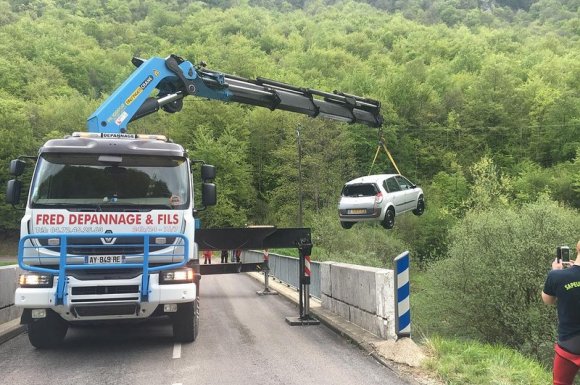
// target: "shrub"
[[489, 286]]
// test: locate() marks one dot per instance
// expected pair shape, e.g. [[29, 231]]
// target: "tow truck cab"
[[108, 234]]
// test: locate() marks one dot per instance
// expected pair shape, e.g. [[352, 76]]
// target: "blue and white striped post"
[[402, 295]]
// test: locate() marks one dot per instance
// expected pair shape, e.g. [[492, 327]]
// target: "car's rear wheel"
[[420, 206], [389, 220], [346, 225]]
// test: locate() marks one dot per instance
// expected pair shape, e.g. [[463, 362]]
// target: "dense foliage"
[[501, 80], [489, 287], [481, 103]]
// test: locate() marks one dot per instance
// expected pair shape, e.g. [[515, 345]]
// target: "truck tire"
[[186, 322], [48, 332]]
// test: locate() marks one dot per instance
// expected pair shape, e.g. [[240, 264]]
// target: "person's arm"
[[548, 294], [548, 299]]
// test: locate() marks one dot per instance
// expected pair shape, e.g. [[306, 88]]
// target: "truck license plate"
[[357, 211], [101, 259]]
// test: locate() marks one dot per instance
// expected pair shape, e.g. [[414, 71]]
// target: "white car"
[[379, 198]]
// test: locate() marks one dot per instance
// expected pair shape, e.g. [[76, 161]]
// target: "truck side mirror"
[[13, 189], [17, 167], [207, 172], [208, 194]]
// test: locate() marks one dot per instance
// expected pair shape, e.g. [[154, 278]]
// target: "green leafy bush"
[[489, 287]]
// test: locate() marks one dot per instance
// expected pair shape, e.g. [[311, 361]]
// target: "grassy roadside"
[[456, 362], [9, 244]]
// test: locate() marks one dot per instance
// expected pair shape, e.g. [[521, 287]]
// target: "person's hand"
[[557, 265]]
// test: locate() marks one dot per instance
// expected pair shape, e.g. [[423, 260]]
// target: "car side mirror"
[[13, 190], [17, 167]]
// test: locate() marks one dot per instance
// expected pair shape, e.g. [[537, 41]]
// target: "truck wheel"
[[48, 332], [186, 322]]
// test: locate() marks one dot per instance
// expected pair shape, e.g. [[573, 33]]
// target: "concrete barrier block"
[[326, 302], [354, 285], [325, 278], [370, 322], [10, 313], [385, 289], [391, 332], [8, 284], [340, 308]]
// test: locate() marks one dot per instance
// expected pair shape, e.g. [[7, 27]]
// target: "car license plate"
[[102, 259], [357, 211]]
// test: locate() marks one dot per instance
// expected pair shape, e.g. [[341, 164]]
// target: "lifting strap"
[[384, 147]]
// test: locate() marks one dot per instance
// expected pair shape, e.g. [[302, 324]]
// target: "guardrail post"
[[402, 296], [304, 249], [266, 268]]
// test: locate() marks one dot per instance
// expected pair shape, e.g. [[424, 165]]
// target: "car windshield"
[[99, 182], [359, 190]]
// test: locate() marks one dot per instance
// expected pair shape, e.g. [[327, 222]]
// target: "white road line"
[[177, 352], [178, 383]]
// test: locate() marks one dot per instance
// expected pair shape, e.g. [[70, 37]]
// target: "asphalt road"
[[244, 339]]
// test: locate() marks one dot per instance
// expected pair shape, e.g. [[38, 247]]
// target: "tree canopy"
[[458, 80]]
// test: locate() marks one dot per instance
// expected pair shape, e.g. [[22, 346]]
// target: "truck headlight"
[[35, 280], [168, 277]]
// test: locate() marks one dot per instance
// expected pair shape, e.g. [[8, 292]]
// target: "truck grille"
[[97, 290], [105, 310]]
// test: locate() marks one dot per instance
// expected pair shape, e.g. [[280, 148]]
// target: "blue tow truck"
[[108, 231]]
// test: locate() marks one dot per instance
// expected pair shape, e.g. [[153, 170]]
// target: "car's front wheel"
[[389, 220], [346, 225], [420, 206]]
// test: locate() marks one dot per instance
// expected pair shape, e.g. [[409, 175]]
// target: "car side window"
[[403, 182], [392, 185]]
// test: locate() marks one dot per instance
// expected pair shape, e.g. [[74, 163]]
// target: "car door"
[[409, 193], [395, 195]]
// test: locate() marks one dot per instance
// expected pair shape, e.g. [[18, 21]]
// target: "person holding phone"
[[562, 287]]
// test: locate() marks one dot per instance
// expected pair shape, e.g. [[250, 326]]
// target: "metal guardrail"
[[64, 241], [287, 270]]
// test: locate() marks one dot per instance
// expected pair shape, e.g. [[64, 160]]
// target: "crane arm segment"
[[176, 78]]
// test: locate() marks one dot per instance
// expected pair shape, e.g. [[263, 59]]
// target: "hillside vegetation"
[[481, 103]]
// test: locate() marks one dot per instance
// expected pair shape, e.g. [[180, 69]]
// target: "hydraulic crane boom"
[[176, 78]]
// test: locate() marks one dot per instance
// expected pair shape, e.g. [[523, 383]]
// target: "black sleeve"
[[550, 285]]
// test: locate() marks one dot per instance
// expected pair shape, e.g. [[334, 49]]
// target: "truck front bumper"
[[92, 300]]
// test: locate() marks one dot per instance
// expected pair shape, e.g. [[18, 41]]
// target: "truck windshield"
[[91, 181]]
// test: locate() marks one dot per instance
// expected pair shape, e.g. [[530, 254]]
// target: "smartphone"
[[563, 254]]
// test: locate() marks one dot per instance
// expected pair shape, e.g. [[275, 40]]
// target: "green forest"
[[481, 107]]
